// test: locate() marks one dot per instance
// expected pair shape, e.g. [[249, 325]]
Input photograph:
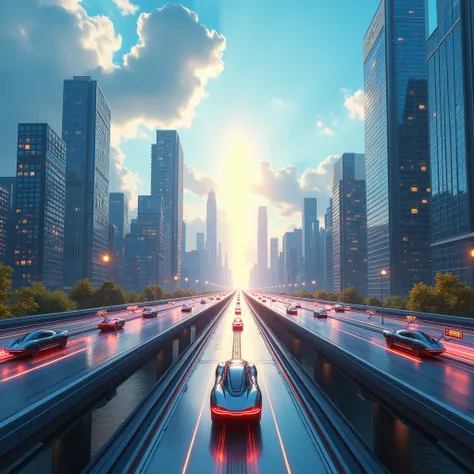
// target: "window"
[[423, 168], [414, 211], [424, 201], [414, 189], [421, 107], [405, 239]]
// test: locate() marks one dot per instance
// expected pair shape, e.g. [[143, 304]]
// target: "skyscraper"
[[451, 121], [396, 148], [211, 232], [4, 223], [118, 216], [349, 223], [262, 246], [167, 183], [200, 241], [41, 192], [310, 237], [328, 250], [274, 261], [292, 258], [86, 132], [9, 185]]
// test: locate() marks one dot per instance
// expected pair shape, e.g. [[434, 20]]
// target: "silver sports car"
[[417, 342], [32, 343]]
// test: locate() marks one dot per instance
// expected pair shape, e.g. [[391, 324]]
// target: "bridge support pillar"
[[193, 334], [175, 351], [323, 374], [391, 441], [184, 339], [72, 451], [164, 359], [295, 348]]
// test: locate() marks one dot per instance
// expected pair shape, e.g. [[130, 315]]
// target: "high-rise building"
[[4, 223], [144, 260], [450, 48], [200, 241], [328, 251], [397, 148], [293, 258], [9, 185], [167, 183], [310, 237], [40, 197], [262, 246], [86, 132], [112, 253], [211, 233], [118, 217], [274, 261], [349, 223]]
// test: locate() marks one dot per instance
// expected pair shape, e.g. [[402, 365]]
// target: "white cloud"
[[322, 130], [126, 7], [354, 103], [199, 184], [319, 124], [277, 102]]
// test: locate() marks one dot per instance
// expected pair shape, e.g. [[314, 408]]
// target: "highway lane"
[[190, 444], [448, 382], [26, 381]]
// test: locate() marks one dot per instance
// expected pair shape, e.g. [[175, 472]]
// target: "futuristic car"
[[320, 313], [149, 312], [238, 311], [186, 308], [298, 305], [32, 343], [236, 394], [339, 308], [417, 342], [291, 310], [203, 301], [237, 325], [111, 324]]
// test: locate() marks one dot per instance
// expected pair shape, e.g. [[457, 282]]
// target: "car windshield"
[[29, 337], [235, 378], [148, 310], [107, 320], [426, 336], [237, 320]]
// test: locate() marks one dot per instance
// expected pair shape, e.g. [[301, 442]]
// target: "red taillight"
[[249, 412]]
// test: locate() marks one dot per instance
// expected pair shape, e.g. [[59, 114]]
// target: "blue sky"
[[274, 91]]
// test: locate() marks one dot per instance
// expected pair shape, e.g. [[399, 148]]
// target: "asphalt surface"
[[447, 379], [190, 444], [25, 381]]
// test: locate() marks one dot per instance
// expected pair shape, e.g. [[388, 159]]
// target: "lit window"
[[401, 38], [32, 173], [428, 190], [421, 107], [410, 117], [424, 201], [405, 239], [27, 146], [411, 12], [414, 189], [414, 211], [423, 168], [434, 114]]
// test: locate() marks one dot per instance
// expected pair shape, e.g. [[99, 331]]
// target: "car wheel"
[[389, 342], [62, 342], [34, 351], [416, 351]]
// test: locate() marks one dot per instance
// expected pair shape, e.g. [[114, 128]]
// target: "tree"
[[51, 301], [454, 297], [351, 295], [321, 295], [109, 294], [5, 311], [153, 293], [396, 302], [304, 294], [22, 302], [83, 294], [422, 299], [332, 296], [372, 301], [5, 283], [132, 297]]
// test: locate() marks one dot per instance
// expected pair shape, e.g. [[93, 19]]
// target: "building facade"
[[328, 250], [349, 223], [293, 259], [118, 217], [4, 224], [167, 183], [38, 253], [310, 237], [86, 132], [9, 185], [262, 246], [211, 234], [397, 148], [450, 48], [274, 261]]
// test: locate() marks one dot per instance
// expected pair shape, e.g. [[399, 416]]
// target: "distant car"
[[417, 342], [238, 311], [298, 305], [111, 324], [291, 310], [264, 300], [186, 308], [218, 298], [273, 300], [236, 394], [259, 297], [203, 301], [149, 312], [211, 298], [237, 324], [34, 342], [339, 308], [320, 313]]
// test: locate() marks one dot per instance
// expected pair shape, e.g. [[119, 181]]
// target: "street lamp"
[[105, 258], [383, 273], [314, 285], [304, 283]]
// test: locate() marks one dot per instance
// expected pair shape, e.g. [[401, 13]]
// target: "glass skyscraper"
[[4, 223], [451, 119], [397, 153], [86, 132], [118, 217], [167, 183], [349, 223], [310, 237], [40, 196], [9, 185], [262, 246]]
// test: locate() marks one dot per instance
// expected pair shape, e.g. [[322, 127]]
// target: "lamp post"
[[471, 279], [186, 279], [314, 285], [383, 273]]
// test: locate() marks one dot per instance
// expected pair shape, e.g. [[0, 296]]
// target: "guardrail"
[[457, 321], [24, 321]]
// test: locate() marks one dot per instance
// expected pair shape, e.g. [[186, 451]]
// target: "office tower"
[[112, 252], [86, 132], [191, 269], [293, 259], [328, 250], [144, 260], [253, 279], [118, 217], [4, 223], [310, 235], [262, 246], [349, 223], [9, 185], [211, 233], [274, 261], [397, 149], [281, 270], [39, 219], [167, 183], [200, 241], [184, 238], [451, 120]]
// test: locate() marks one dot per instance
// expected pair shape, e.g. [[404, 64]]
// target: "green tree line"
[[448, 295], [37, 299]]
